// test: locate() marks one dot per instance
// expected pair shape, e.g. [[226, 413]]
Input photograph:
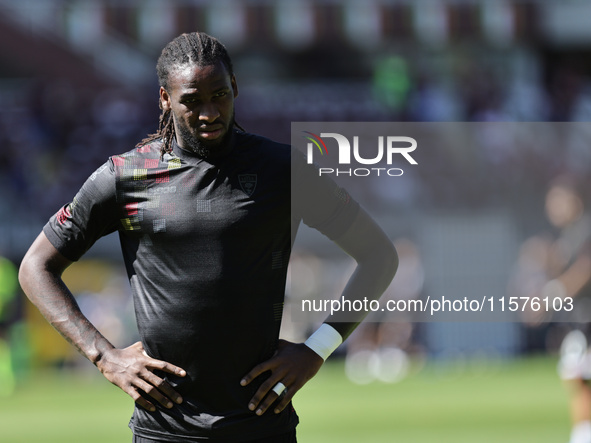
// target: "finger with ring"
[[279, 388]]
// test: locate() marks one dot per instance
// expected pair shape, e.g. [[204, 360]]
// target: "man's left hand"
[[293, 365]]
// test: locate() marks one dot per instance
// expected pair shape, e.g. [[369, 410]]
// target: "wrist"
[[324, 341], [100, 355]]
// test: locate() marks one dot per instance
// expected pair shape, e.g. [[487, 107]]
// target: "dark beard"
[[207, 150]]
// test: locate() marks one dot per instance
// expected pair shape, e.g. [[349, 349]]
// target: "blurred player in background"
[[569, 263], [559, 266], [206, 220]]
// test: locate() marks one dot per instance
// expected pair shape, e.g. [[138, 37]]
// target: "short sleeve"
[[91, 214], [318, 201]]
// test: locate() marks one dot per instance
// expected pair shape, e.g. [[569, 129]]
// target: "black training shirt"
[[206, 246]]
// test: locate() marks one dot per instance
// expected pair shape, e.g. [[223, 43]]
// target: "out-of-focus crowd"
[[54, 136]]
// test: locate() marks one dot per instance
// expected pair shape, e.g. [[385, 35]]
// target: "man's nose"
[[209, 112]]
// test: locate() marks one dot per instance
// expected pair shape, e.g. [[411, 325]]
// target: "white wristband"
[[324, 341]]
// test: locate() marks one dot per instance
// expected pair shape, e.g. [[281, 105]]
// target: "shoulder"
[[250, 139], [257, 145], [136, 158]]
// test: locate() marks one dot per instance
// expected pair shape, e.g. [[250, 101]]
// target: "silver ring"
[[279, 388]]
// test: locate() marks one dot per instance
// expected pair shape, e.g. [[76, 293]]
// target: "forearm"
[[40, 279], [377, 262], [60, 309], [576, 276], [368, 282]]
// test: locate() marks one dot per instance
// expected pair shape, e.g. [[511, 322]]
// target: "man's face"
[[201, 99], [563, 206]]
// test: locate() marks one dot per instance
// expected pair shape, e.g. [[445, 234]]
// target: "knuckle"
[[134, 395], [158, 364], [267, 386]]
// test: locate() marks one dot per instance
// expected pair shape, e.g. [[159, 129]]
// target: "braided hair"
[[195, 48]]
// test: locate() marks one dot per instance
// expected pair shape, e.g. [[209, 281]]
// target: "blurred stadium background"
[[77, 83]]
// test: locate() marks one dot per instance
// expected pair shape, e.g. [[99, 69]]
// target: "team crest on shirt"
[[248, 182]]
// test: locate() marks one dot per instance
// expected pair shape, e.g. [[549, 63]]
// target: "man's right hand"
[[131, 369]]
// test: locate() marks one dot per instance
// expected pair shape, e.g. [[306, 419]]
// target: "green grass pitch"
[[517, 401]]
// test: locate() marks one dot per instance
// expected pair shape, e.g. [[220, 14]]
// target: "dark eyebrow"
[[195, 92], [188, 95], [222, 88]]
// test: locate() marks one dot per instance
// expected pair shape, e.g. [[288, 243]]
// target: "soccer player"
[[558, 267], [206, 222], [569, 266]]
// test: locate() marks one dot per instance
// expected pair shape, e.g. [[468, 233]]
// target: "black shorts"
[[290, 437]]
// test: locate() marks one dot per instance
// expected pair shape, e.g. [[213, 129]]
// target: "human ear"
[[234, 86], [164, 99]]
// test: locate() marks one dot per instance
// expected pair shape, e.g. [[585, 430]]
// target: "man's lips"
[[211, 132]]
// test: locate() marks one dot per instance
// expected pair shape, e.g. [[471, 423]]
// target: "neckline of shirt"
[[193, 157]]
